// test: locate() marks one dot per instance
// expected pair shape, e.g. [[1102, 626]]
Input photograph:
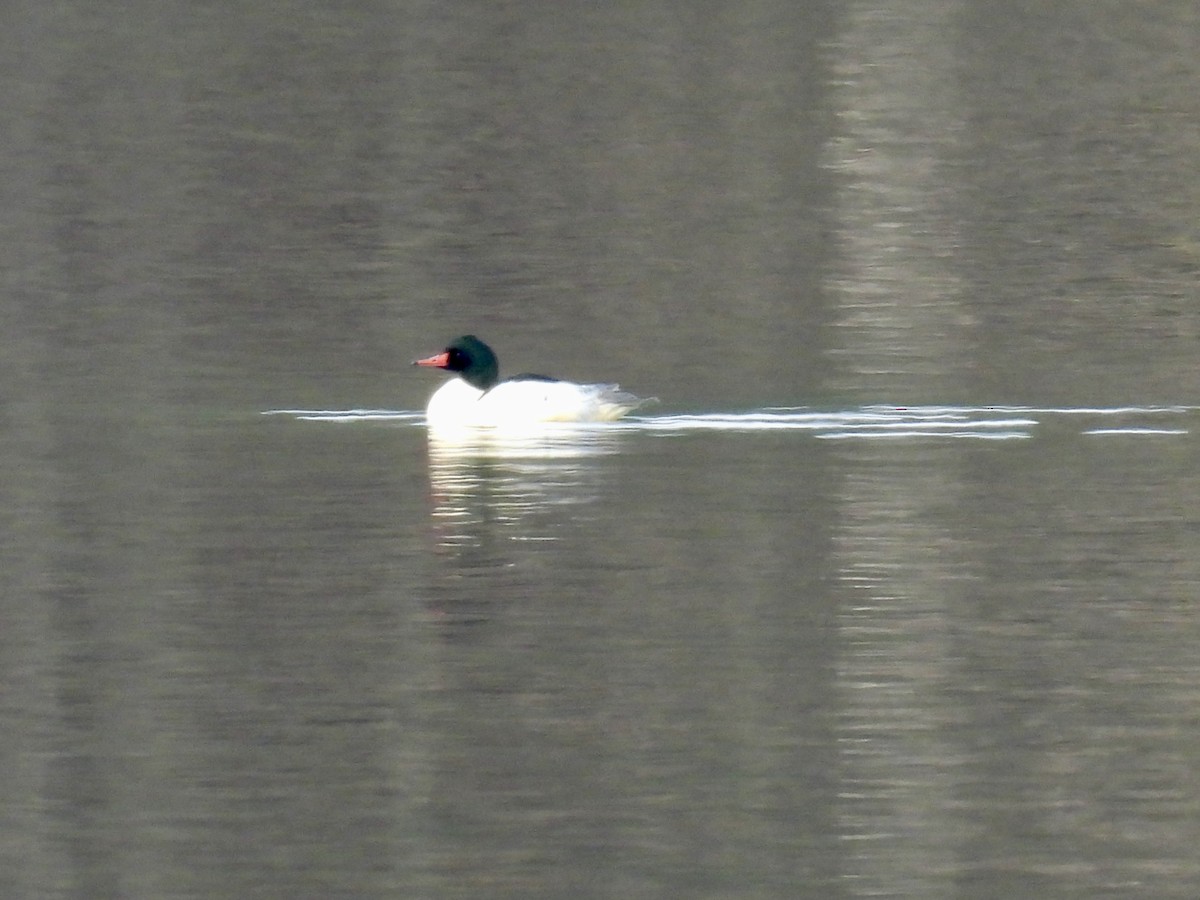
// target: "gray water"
[[892, 594]]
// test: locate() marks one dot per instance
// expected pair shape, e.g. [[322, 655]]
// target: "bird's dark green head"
[[471, 358]]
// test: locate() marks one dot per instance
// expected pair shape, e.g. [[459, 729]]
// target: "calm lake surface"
[[893, 593]]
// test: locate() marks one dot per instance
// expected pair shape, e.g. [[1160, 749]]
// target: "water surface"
[[891, 595]]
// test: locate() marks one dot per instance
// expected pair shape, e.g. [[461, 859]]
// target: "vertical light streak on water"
[[898, 764], [898, 294], [901, 324]]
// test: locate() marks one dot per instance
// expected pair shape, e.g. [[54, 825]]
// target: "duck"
[[478, 397]]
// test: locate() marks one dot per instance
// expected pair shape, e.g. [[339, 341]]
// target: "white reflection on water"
[[349, 415], [1135, 431], [559, 441], [870, 422], [485, 481]]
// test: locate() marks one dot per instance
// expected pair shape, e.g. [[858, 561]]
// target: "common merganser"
[[478, 397]]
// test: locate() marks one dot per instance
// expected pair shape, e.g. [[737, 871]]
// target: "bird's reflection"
[[483, 482], [499, 501]]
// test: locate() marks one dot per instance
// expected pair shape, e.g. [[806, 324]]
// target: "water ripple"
[[868, 422]]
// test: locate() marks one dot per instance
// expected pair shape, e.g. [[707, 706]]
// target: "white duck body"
[[479, 399], [524, 401]]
